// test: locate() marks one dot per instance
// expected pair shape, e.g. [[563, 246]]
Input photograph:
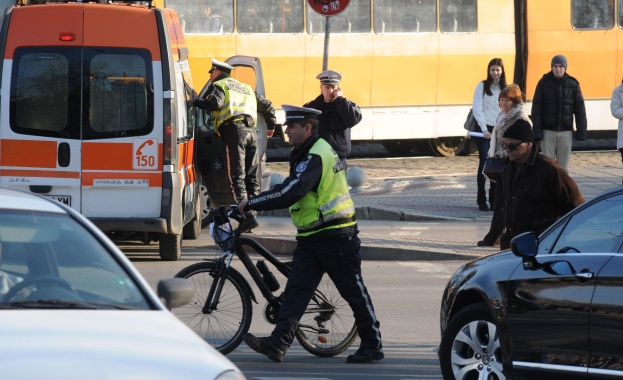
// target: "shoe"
[[265, 346], [483, 243], [249, 223], [365, 355], [483, 207]]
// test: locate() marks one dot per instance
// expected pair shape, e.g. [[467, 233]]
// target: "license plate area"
[[64, 199]]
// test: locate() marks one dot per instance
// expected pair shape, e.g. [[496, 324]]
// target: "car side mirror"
[[175, 292], [526, 246]]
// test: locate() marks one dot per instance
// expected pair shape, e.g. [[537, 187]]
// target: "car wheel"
[[470, 347]]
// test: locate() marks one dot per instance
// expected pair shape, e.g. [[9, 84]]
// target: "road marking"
[[405, 233], [425, 267]]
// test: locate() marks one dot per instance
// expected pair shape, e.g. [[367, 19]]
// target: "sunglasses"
[[511, 147]]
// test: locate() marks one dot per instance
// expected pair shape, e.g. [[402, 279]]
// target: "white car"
[[72, 306]]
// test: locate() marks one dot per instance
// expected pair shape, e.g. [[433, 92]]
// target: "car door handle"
[[584, 275]]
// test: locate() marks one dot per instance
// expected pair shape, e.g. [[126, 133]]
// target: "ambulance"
[[96, 112]]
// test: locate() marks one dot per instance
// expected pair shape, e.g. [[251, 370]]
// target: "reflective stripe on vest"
[[239, 99], [331, 206]]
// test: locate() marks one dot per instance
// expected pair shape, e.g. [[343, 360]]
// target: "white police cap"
[[221, 66], [294, 113], [329, 77]]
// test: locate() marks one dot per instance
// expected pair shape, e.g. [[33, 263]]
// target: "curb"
[[372, 253], [372, 213]]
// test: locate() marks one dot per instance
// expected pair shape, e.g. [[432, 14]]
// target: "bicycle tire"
[[340, 323], [224, 327]]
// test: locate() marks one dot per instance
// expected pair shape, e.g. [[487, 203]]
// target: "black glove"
[[581, 135]]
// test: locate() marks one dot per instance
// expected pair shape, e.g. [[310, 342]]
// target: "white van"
[[96, 112]]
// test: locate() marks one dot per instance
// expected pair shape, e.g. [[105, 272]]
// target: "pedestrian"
[[234, 106], [557, 99], [338, 116], [536, 190], [324, 215], [616, 107], [511, 101], [486, 108]]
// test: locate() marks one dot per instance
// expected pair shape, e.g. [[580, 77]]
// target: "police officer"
[[324, 215], [234, 107], [338, 116]]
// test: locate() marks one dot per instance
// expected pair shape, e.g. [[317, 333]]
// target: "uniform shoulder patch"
[[300, 168]]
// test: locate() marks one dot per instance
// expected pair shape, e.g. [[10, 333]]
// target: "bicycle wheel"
[[328, 326], [224, 327]]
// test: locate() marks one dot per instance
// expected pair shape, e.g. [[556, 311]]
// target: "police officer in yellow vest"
[[324, 215], [234, 106]]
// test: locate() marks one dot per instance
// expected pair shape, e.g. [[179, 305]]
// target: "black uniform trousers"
[[242, 163], [339, 258]]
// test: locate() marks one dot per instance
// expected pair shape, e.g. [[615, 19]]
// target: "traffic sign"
[[328, 7]]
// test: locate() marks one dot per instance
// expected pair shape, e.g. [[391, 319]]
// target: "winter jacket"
[[335, 122], [556, 102], [616, 107], [505, 120], [538, 196], [486, 108]]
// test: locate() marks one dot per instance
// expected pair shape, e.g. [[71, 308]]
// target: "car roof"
[[19, 200]]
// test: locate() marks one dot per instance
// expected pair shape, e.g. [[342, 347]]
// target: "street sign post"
[[327, 8]]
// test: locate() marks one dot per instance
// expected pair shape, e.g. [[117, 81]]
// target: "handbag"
[[493, 168], [471, 124]]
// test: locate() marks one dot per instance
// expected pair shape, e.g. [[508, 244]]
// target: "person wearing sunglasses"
[[511, 101], [536, 191]]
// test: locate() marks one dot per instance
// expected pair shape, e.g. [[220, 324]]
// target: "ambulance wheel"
[[205, 205], [192, 230], [170, 247]]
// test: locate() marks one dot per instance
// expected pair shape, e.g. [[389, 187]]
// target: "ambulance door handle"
[[64, 154]]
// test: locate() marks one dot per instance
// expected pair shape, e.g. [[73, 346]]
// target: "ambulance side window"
[[44, 88]]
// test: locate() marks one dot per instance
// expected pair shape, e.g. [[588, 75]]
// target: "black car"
[[551, 308]]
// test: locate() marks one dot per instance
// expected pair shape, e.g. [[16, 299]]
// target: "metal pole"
[[325, 59]]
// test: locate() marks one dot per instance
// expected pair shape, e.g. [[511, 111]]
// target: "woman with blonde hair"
[[511, 101]]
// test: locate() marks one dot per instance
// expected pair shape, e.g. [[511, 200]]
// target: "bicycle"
[[221, 311]]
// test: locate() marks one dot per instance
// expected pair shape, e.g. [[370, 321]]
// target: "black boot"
[[266, 346], [365, 355]]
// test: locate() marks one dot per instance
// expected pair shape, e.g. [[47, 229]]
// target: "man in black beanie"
[[557, 99], [536, 190]]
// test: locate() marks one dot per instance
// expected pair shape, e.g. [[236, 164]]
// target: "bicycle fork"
[[220, 276]]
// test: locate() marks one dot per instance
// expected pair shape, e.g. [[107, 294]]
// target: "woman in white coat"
[[486, 109], [616, 107]]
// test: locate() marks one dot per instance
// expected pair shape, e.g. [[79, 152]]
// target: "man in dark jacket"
[[536, 190], [338, 116], [557, 99], [234, 107], [326, 241]]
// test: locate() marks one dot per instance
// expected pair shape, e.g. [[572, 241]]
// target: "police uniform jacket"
[[536, 194], [335, 122], [555, 103], [215, 100], [305, 174]]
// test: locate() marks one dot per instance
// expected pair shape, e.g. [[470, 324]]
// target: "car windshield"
[[49, 260]]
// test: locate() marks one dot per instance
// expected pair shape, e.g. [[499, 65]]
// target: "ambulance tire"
[[192, 230], [170, 247]]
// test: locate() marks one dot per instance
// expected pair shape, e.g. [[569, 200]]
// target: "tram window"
[[258, 16], [405, 16], [205, 16], [458, 16], [593, 14], [354, 19]]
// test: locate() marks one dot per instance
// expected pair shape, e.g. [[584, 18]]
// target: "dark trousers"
[[483, 149], [621, 150], [497, 221], [242, 163], [339, 258]]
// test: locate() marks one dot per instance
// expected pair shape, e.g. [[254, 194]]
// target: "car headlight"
[[231, 375]]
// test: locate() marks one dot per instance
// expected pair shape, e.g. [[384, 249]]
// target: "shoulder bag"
[[493, 168], [471, 124]]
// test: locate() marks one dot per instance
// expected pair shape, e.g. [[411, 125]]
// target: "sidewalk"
[[393, 209]]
